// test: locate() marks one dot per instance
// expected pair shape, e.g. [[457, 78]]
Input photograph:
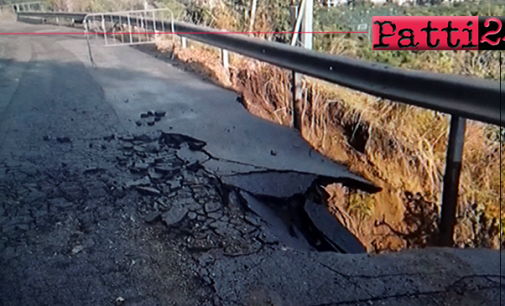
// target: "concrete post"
[[224, 58], [307, 27], [296, 91]]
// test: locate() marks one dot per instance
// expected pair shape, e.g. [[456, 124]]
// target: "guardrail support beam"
[[296, 92], [104, 29], [451, 181], [224, 58], [130, 27]]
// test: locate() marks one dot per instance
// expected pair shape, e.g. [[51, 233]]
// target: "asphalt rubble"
[[152, 213]]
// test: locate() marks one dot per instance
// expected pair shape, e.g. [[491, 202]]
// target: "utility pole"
[[254, 3], [297, 15], [307, 27], [305, 20]]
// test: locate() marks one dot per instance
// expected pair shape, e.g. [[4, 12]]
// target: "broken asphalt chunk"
[[175, 140], [143, 137], [175, 215], [191, 156], [152, 147], [77, 249], [119, 301], [149, 191], [196, 145], [218, 224], [141, 182], [215, 215], [205, 259], [122, 161], [268, 238], [194, 166], [174, 185], [165, 169], [152, 217], [127, 146], [212, 207], [150, 161], [126, 138], [332, 230], [160, 113], [271, 183], [141, 166], [254, 220], [138, 149], [144, 115], [154, 175]]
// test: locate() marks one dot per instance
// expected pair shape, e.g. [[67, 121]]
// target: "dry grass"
[[94, 5], [405, 147], [7, 14]]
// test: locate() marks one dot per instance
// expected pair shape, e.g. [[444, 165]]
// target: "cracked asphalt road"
[[105, 203]]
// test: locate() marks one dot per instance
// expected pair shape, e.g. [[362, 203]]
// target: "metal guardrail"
[[76, 17], [136, 21], [462, 97], [25, 6], [467, 97]]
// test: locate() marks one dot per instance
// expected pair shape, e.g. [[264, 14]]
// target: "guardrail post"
[[137, 29], [308, 14], [121, 29], [94, 24], [296, 85], [154, 23], [224, 58], [142, 26], [130, 27], [113, 29], [184, 42], [104, 30], [451, 180]]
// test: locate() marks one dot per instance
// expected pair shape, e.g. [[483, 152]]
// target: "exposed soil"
[[398, 219]]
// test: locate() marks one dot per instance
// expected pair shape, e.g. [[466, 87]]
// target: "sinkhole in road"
[[283, 207]]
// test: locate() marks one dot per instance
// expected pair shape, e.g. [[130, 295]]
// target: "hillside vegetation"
[[399, 147]]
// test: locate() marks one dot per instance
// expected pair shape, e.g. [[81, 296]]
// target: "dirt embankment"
[[338, 123]]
